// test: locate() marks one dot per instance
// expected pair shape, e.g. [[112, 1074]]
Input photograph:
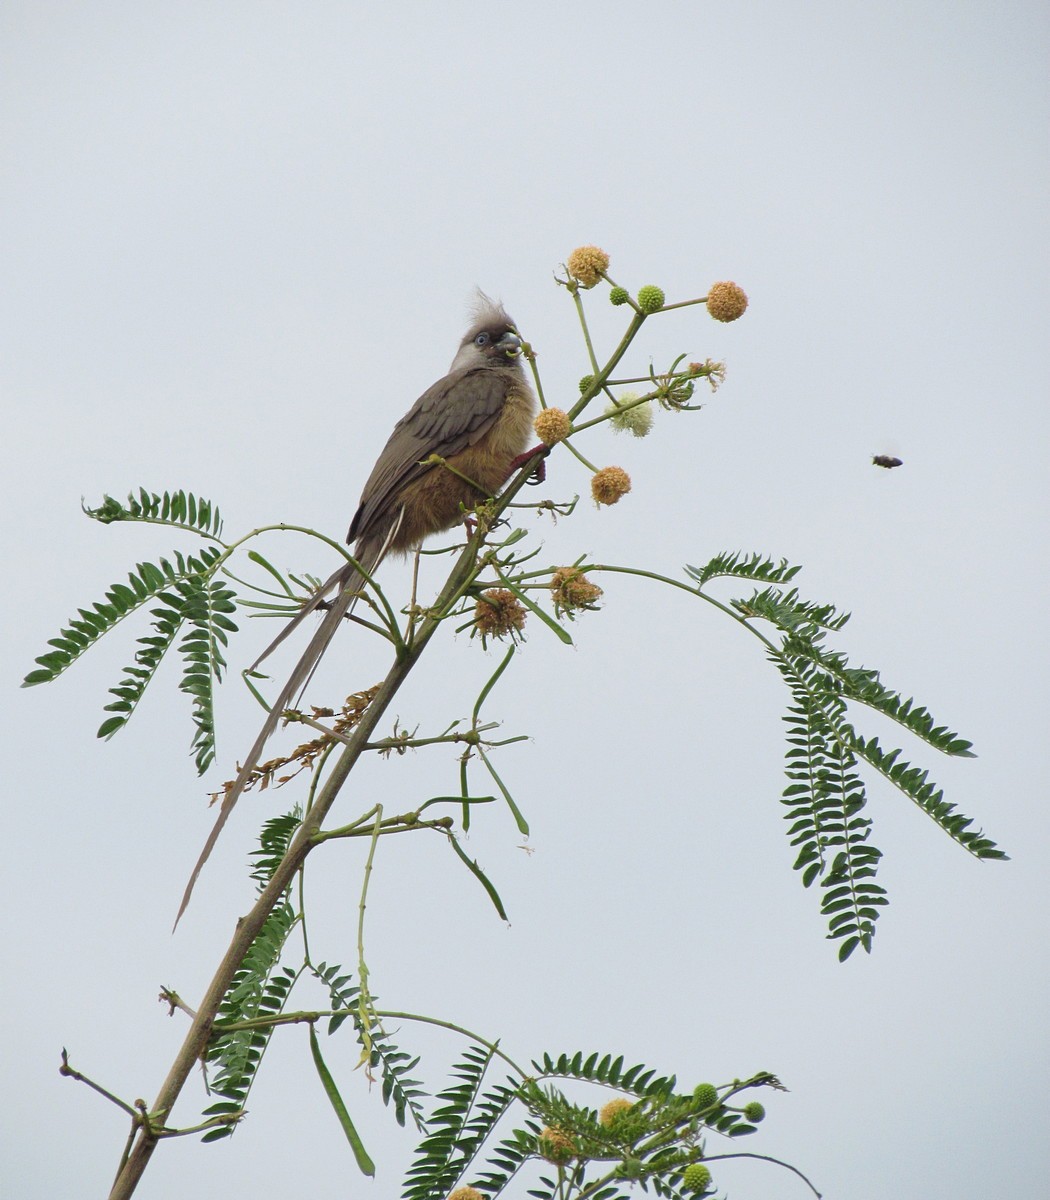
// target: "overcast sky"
[[239, 239]]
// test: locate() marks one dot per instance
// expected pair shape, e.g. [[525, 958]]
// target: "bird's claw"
[[539, 471]]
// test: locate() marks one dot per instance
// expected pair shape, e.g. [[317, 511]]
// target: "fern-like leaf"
[[506, 1158], [206, 604], [167, 621], [399, 1089], [789, 612], [458, 1128], [739, 565], [915, 783], [145, 583], [274, 839], [863, 685], [259, 988], [181, 509], [637, 1079], [824, 799], [186, 591]]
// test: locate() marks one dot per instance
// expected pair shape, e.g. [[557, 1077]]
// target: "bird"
[[477, 420]]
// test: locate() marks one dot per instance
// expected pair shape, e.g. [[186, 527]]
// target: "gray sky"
[[239, 240]]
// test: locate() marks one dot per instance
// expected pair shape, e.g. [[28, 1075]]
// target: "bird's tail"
[[348, 583]]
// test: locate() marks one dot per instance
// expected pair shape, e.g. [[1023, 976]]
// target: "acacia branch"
[[249, 926]]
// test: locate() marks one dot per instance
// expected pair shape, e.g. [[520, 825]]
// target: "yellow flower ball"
[[552, 425], [556, 1145], [586, 264], [726, 301], [609, 1112], [609, 484]]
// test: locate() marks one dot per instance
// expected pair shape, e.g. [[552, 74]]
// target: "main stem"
[[249, 926]]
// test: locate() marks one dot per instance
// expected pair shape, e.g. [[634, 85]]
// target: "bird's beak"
[[510, 344]]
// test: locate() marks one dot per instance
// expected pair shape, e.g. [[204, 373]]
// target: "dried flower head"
[[572, 589], [626, 416], [609, 1112], [498, 613], [586, 264], [552, 425], [726, 301], [713, 372], [609, 484], [696, 1178], [466, 1193], [556, 1145], [651, 298]]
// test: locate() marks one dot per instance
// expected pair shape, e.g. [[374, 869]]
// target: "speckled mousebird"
[[478, 419]]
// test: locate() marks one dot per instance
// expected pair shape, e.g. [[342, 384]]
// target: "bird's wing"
[[450, 416]]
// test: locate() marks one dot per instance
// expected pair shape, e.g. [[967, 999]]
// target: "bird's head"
[[492, 340]]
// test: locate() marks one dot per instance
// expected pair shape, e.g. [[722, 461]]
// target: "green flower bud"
[[618, 295], [650, 298], [697, 1178], [586, 382], [754, 1112], [705, 1095], [630, 1168]]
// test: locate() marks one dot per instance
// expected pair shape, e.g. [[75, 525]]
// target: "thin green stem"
[[692, 590], [282, 528], [492, 1047], [578, 301], [682, 304], [765, 1158], [364, 1003], [70, 1073], [530, 358], [602, 376], [573, 451], [620, 408], [402, 824]]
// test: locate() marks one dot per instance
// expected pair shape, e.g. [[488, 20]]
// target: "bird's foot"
[[539, 471]]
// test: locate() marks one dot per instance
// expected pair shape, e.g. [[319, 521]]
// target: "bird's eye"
[[482, 339]]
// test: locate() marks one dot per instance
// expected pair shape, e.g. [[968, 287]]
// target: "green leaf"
[[459, 1126], [110, 727], [399, 1088], [823, 800], [147, 582], [181, 509], [523, 825], [492, 681], [365, 1163], [476, 871], [742, 566], [915, 783], [255, 557], [559, 630], [205, 603], [259, 987]]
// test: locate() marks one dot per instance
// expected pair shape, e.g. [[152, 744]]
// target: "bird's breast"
[[436, 501]]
